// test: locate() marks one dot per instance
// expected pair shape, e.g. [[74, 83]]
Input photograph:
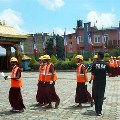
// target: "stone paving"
[[67, 110]]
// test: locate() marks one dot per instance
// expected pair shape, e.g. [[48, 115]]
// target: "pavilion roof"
[[7, 31]]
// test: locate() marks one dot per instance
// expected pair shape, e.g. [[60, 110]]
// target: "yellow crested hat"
[[95, 56], [47, 57], [79, 57], [13, 59]]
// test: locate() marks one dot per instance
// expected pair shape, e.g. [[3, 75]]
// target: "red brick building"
[[102, 40]]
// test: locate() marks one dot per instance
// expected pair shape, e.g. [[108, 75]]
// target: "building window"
[[96, 38], [110, 42], [114, 42], [118, 42], [106, 38], [80, 38], [70, 46]]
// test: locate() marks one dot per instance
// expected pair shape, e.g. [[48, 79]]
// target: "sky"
[[36, 16]]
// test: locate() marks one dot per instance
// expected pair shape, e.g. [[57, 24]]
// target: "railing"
[[113, 43]]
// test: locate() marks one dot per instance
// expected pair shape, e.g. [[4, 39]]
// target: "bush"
[[69, 65], [72, 63], [86, 62], [36, 65], [54, 59], [106, 57], [73, 60], [72, 66], [64, 65], [58, 65], [67, 60], [32, 62]]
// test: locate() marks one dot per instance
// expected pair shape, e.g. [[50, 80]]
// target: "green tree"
[[49, 47], [59, 47], [32, 62], [115, 52]]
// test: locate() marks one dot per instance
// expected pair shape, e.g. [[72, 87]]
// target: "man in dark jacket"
[[99, 70]]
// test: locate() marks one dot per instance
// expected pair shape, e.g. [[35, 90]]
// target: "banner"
[[65, 42], [35, 51], [103, 41], [54, 43], [43, 43], [78, 41], [90, 45]]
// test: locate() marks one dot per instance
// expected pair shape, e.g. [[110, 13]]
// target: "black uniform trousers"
[[98, 94]]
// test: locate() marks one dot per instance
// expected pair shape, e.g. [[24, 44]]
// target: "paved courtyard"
[[67, 110]]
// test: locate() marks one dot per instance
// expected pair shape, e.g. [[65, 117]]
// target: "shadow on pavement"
[[39, 107], [73, 107], [35, 105], [3, 113], [89, 113]]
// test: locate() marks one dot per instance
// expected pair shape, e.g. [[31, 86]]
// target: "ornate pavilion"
[[10, 38]]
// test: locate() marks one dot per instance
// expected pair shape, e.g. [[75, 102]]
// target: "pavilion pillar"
[[8, 56], [18, 54]]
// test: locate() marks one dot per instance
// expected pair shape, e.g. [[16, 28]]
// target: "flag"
[[35, 51], [43, 43], [65, 41], [54, 42], [90, 45], [78, 42], [103, 41]]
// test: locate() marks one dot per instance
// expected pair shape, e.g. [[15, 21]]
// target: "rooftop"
[[7, 31]]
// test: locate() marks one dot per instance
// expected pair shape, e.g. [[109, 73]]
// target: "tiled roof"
[[7, 31]]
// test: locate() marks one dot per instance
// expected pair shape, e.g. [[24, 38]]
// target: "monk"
[[15, 97], [50, 94]]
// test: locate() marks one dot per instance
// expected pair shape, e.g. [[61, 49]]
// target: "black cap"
[[100, 55]]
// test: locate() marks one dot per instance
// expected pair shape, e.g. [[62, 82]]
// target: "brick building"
[[105, 39]]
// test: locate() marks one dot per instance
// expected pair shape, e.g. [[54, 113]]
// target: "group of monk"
[[114, 63], [46, 93]]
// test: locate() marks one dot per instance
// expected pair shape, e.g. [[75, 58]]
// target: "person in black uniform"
[[99, 70]]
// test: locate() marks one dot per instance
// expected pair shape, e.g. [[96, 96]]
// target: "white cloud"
[[12, 18], [52, 4], [101, 19], [59, 31]]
